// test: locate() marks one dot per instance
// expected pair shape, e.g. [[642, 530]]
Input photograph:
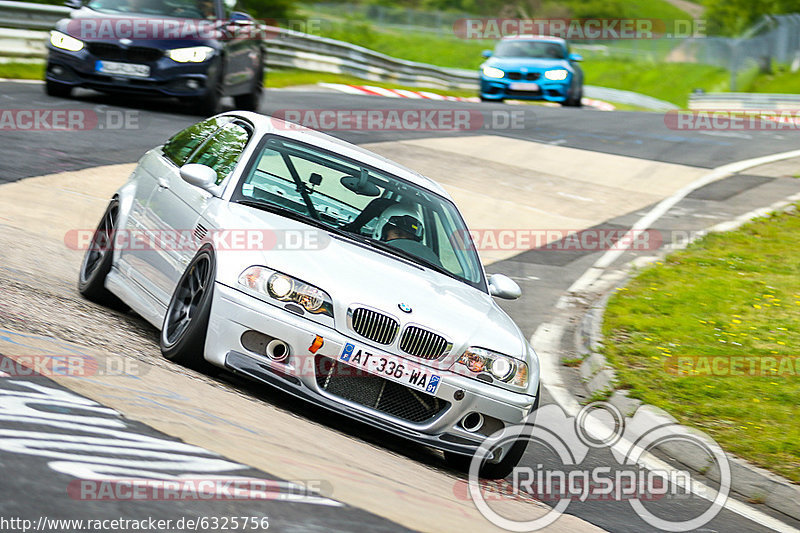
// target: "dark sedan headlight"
[[287, 289], [65, 42], [192, 54], [481, 363]]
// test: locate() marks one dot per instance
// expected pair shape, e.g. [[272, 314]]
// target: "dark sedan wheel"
[[251, 100], [183, 334], [211, 102], [59, 90], [97, 261]]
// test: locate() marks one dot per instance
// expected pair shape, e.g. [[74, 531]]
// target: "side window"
[[222, 151], [183, 143]]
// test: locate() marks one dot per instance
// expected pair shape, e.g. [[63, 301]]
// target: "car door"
[[177, 205], [143, 260]]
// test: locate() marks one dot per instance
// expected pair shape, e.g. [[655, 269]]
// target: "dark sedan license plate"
[[123, 69], [405, 372]]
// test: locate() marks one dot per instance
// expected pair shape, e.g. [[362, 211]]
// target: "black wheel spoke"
[[187, 299]]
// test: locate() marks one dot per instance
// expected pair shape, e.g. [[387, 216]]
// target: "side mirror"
[[241, 19], [504, 287], [486, 53], [199, 175], [575, 57], [74, 4]]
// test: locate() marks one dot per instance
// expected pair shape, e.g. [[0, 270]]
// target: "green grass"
[[22, 71], [782, 80], [732, 294], [672, 82]]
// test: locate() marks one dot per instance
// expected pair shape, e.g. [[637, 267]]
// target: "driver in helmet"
[[399, 226]]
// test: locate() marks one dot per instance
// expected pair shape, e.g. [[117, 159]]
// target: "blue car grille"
[[530, 76]]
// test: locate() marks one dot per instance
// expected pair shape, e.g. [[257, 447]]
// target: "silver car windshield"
[[191, 9], [368, 205]]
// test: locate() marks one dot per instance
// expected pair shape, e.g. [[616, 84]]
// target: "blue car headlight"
[[556, 75], [493, 72]]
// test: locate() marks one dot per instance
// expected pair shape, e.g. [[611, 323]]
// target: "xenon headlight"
[[556, 75], [493, 72], [193, 54], [287, 289], [65, 42], [476, 362]]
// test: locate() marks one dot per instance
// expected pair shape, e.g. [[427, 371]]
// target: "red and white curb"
[[426, 95]]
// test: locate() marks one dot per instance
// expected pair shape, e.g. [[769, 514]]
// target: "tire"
[[97, 261], [183, 333], [210, 103], [501, 469], [59, 90], [574, 101], [251, 100]]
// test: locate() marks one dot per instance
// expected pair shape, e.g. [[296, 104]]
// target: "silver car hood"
[[353, 273]]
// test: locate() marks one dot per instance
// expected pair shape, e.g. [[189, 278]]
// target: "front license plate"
[[409, 374], [522, 86], [123, 69]]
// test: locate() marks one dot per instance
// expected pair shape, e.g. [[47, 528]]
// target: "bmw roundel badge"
[[404, 307]]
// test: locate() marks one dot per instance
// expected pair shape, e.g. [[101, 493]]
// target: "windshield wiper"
[[408, 255], [288, 213]]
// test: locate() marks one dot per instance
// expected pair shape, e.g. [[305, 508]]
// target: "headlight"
[[287, 289], [493, 72], [65, 42], [194, 54], [556, 75], [475, 362]]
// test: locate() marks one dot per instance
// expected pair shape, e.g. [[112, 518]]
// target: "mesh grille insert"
[[376, 393]]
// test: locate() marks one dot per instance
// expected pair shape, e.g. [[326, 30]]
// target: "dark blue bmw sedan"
[[196, 50]]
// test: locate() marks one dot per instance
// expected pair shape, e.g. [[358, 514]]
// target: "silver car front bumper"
[[233, 313]]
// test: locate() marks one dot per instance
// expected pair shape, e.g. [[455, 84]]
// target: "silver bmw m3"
[[322, 269]]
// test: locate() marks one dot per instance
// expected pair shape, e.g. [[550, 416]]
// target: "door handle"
[[163, 183]]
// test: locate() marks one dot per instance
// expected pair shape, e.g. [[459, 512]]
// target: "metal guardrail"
[[291, 49], [29, 16], [745, 101]]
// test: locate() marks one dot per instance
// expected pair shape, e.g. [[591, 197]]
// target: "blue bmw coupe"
[[529, 67]]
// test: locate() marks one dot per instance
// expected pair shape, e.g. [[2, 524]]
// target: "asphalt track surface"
[[28, 489]]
